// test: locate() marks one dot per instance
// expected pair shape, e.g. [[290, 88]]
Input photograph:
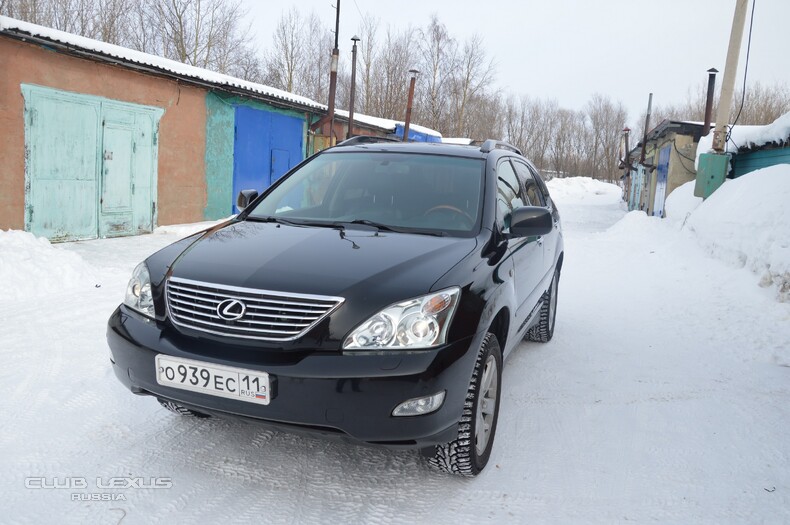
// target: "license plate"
[[215, 380]]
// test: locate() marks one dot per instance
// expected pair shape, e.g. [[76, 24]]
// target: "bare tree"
[[367, 56], [202, 33], [605, 120], [386, 86], [438, 50], [288, 55], [473, 73], [319, 44]]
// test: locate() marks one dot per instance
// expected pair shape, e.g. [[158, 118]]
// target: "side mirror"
[[245, 198], [530, 221]]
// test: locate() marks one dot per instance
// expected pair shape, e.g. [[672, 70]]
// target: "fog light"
[[420, 405]]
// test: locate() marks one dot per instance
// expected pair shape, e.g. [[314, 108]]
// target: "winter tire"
[[544, 330], [468, 454], [179, 409]]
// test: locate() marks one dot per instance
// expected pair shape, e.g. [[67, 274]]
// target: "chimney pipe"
[[709, 100]]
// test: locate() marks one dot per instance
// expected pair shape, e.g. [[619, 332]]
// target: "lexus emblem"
[[231, 309]]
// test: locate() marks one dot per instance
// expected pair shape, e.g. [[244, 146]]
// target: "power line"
[[745, 73]]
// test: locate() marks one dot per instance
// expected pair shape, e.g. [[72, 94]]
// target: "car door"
[[538, 195], [526, 252]]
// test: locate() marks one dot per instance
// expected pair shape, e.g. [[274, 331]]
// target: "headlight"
[[138, 292], [417, 323]]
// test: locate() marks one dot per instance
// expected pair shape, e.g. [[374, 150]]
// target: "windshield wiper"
[[386, 227], [291, 222]]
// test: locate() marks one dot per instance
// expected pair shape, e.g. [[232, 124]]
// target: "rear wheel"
[[180, 409], [468, 454], [544, 330]]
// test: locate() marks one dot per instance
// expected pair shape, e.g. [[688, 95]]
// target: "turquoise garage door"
[[90, 165]]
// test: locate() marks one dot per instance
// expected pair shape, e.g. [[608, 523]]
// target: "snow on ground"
[[664, 396], [27, 263], [681, 202], [747, 223]]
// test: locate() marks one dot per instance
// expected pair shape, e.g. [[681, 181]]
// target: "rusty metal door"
[[125, 202], [61, 165], [90, 165]]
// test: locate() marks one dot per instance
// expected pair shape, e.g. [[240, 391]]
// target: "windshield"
[[401, 190]]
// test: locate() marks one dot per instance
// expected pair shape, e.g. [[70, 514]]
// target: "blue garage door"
[[267, 145]]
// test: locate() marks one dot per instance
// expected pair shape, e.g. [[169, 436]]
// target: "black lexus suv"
[[371, 293]]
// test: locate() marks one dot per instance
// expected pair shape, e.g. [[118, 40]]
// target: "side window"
[[534, 194], [541, 184], [509, 193]]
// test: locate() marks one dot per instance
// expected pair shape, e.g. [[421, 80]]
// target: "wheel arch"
[[500, 326]]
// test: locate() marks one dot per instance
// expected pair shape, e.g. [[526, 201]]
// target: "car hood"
[[321, 260]]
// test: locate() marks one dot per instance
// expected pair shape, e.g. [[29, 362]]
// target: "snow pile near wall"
[[637, 224], [681, 202], [32, 267], [583, 190], [749, 137], [746, 222]]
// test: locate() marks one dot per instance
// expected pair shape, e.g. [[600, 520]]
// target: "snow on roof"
[[386, 123], [461, 141], [750, 136], [138, 57], [11, 25]]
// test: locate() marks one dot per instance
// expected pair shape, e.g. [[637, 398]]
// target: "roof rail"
[[365, 139], [492, 144]]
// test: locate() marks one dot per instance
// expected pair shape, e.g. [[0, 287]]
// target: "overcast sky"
[[570, 49]]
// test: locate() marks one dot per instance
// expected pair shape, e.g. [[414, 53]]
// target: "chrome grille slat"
[[264, 297], [190, 296], [273, 316], [242, 329], [297, 310], [190, 303], [178, 304], [268, 315]]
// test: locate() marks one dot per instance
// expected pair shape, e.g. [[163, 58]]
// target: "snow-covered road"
[[664, 396]]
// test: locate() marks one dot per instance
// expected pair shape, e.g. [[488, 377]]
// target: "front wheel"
[[180, 409], [468, 454]]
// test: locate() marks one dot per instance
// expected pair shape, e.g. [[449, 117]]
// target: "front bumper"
[[346, 395]]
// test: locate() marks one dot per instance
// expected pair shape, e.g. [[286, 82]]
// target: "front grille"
[[265, 315]]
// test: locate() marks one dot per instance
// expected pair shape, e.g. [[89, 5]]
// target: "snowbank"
[[585, 189], [746, 222], [637, 225], [749, 136], [32, 267], [681, 202]]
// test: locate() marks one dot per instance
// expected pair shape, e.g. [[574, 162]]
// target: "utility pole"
[[330, 112], [728, 82], [354, 39], [647, 128], [712, 168], [333, 77], [414, 74]]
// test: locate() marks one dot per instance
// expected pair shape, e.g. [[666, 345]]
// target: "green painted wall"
[[220, 117], [744, 163], [220, 135]]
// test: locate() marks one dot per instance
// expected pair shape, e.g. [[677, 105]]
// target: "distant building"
[[670, 151]]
